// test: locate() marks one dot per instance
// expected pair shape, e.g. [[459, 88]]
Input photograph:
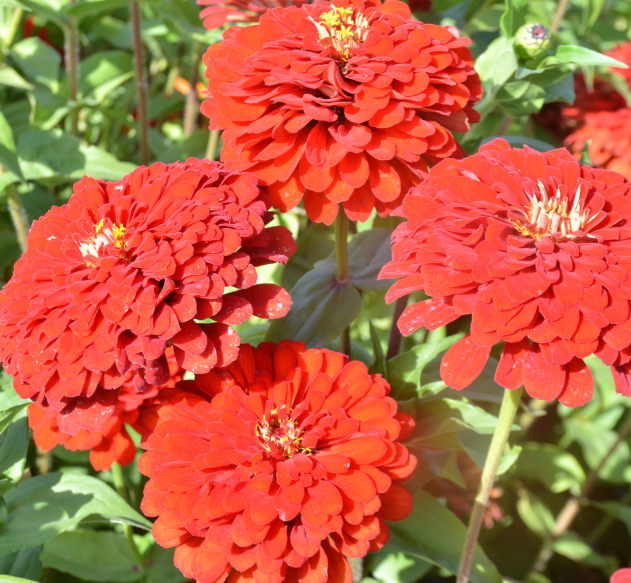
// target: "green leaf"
[[584, 56], [514, 16], [535, 514], [551, 465], [47, 505], [617, 511], [521, 141], [12, 78], [397, 567], [23, 563], [38, 61], [56, 154], [521, 98], [8, 397], [404, 371], [322, 307], [441, 543], [13, 446], [368, 252], [161, 568], [379, 364], [8, 156], [571, 545], [13, 4], [562, 90], [495, 66], [88, 554], [102, 72], [53, 10], [7, 579], [91, 7]]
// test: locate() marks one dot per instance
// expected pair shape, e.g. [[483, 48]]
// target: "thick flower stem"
[[72, 70], [141, 84], [343, 275], [213, 141], [573, 505], [192, 105], [394, 342], [18, 216], [510, 404], [119, 483]]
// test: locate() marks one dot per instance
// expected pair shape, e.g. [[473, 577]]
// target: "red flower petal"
[[463, 363]]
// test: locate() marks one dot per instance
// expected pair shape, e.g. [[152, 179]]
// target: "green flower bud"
[[532, 41]]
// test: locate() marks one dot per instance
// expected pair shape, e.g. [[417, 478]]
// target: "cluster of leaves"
[[60, 521]]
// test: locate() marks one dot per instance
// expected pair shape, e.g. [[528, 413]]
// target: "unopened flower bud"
[[532, 41]]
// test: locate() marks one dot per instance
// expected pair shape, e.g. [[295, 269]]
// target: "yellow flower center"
[[342, 28], [553, 215], [280, 432], [103, 236]]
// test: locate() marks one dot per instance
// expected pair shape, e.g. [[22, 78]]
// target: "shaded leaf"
[[38, 61], [23, 563], [8, 156], [322, 307], [551, 465], [91, 7], [442, 543], [44, 506], [12, 78]]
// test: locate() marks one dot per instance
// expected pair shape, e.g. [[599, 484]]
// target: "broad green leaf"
[[102, 72], [570, 545], [8, 156], [88, 554], [535, 514], [397, 567], [322, 307], [551, 465], [521, 141], [441, 543], [24, 563], [191, 146], [13, 447], [379, 364], [592, 12], [7, 579], [562, 90], [38, 61], [47, 505], [12, 78], [91, 7], [514, 16], [584, 56], [8, 397], [56, 154], [617, 511], [495, 67], [13, 4], [521, 98], [53, 10], [404, 371], [161, 568]]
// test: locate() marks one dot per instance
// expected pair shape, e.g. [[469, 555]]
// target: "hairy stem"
[[557, 19], [357, 568], [192, 104], [510, 404], [343, 276], [119, 483], [72, 69], [213, 141], [573, 505], [18, 216], [394, 342], [141, 84]]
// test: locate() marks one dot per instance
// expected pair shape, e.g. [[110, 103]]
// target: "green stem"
[[119, 483], [343, 275], [510, 404], [573, 505], [141, 84], [357, 568], [18, 216], [557, 19], [213, 141], [72, 70], [16, 19], [394, 342]]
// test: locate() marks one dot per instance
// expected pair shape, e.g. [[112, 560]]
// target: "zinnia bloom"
[[344, 102], [607, 135], [112, 443], [621, 576], [537, 248], [220, 12], [109, 278], [278, 466], [622, 53]]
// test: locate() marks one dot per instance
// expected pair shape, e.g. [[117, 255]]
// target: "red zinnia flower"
[[283, 464], [623, 54], [126, 267], [112, 443], [343, 102], [607, 135], [220, 12], [537, 248], [621, 576]]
